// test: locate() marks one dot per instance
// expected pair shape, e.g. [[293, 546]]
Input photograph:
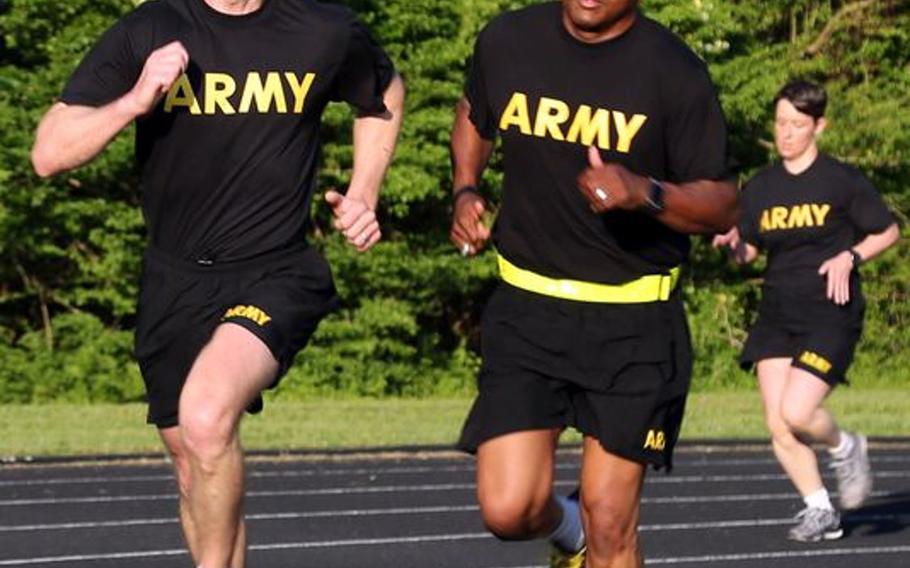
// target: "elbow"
[[894, 234], [43, 162], [395, 95]]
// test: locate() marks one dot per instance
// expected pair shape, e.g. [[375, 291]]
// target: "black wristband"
[[857, 258], [463, 190], [654, 200]]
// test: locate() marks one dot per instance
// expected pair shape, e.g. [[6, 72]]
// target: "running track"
[[722, 506]]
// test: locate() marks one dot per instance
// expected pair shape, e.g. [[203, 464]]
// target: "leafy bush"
[[71, 246], [88, 363]]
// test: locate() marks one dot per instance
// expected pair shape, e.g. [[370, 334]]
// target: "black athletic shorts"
[[280, 297], [619, 373], [817, 334]]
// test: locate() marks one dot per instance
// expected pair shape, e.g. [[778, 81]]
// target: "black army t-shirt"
[[805, 219], [644, 99], [228, 156]]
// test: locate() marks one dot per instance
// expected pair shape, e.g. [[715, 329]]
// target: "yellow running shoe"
[[560, 559]]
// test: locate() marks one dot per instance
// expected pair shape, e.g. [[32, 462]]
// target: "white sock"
[[819, 500], [844, 447], [569, 534]]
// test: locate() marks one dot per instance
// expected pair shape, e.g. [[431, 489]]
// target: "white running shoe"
[[854, 476], [814, 524]]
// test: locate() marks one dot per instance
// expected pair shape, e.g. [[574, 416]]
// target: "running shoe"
[[854, 476], [814, 524], [561, 559]]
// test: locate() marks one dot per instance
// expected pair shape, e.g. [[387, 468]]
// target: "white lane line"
[[778, 555], [654, 480], [373, 541], [764, 555], [672, 479], [740, 497], [442, 509], [708, 462], [92, 557], [774, 555], [250, 517], [753, 523], [403, 470], [252, 474], [254, 494], [262, 547], [390, 489]]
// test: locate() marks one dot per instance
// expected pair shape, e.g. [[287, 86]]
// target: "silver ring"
[[602, 194], [362, 239], [465, 249]]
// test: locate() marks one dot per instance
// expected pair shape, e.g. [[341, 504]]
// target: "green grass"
[[60, 429]]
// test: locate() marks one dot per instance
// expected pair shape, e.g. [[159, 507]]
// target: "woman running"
[[818, 220]]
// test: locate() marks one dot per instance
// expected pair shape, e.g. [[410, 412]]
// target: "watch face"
[[656, 196]]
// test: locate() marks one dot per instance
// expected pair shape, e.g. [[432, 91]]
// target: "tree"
[[71, 246]]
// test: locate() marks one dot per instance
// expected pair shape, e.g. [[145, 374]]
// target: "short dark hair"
[[808, 98]]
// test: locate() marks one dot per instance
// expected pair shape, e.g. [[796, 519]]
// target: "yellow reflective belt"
[[650, 288]]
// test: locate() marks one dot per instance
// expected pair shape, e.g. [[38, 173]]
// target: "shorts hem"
[[469, 444], [162, 423], [658, 461], [830, 380]]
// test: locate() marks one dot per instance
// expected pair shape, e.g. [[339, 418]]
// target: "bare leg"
[[610, 498], [795, 456], [515, 484], [229, 372], [171, 439], [802, 408]]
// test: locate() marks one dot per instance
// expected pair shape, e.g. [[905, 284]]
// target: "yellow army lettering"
[[655, 440], [815, 361], [794, 217], [249, 312], [585, 124], [218, 88]]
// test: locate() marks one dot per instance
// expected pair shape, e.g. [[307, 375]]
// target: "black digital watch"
[[654, 200], [857, 258]]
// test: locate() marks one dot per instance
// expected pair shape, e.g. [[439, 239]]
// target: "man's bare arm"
[[470, 154], [375, 137], [69, 136]]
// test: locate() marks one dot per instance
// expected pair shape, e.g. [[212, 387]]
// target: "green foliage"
[[71, 246], [90, 362], [32, 28]]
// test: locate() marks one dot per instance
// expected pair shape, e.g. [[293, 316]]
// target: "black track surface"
[[722, 506]]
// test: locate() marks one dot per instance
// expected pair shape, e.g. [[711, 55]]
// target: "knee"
[[779, 430], [514, 517], [207, 433], [610, 529], [795, 418]]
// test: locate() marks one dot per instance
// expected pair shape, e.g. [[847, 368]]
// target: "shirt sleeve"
[[475, 92], [868, 211], [108, 71], [696, 131], [365, 73]]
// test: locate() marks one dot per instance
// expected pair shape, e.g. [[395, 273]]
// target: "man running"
[[227, 97], [614, 148]]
